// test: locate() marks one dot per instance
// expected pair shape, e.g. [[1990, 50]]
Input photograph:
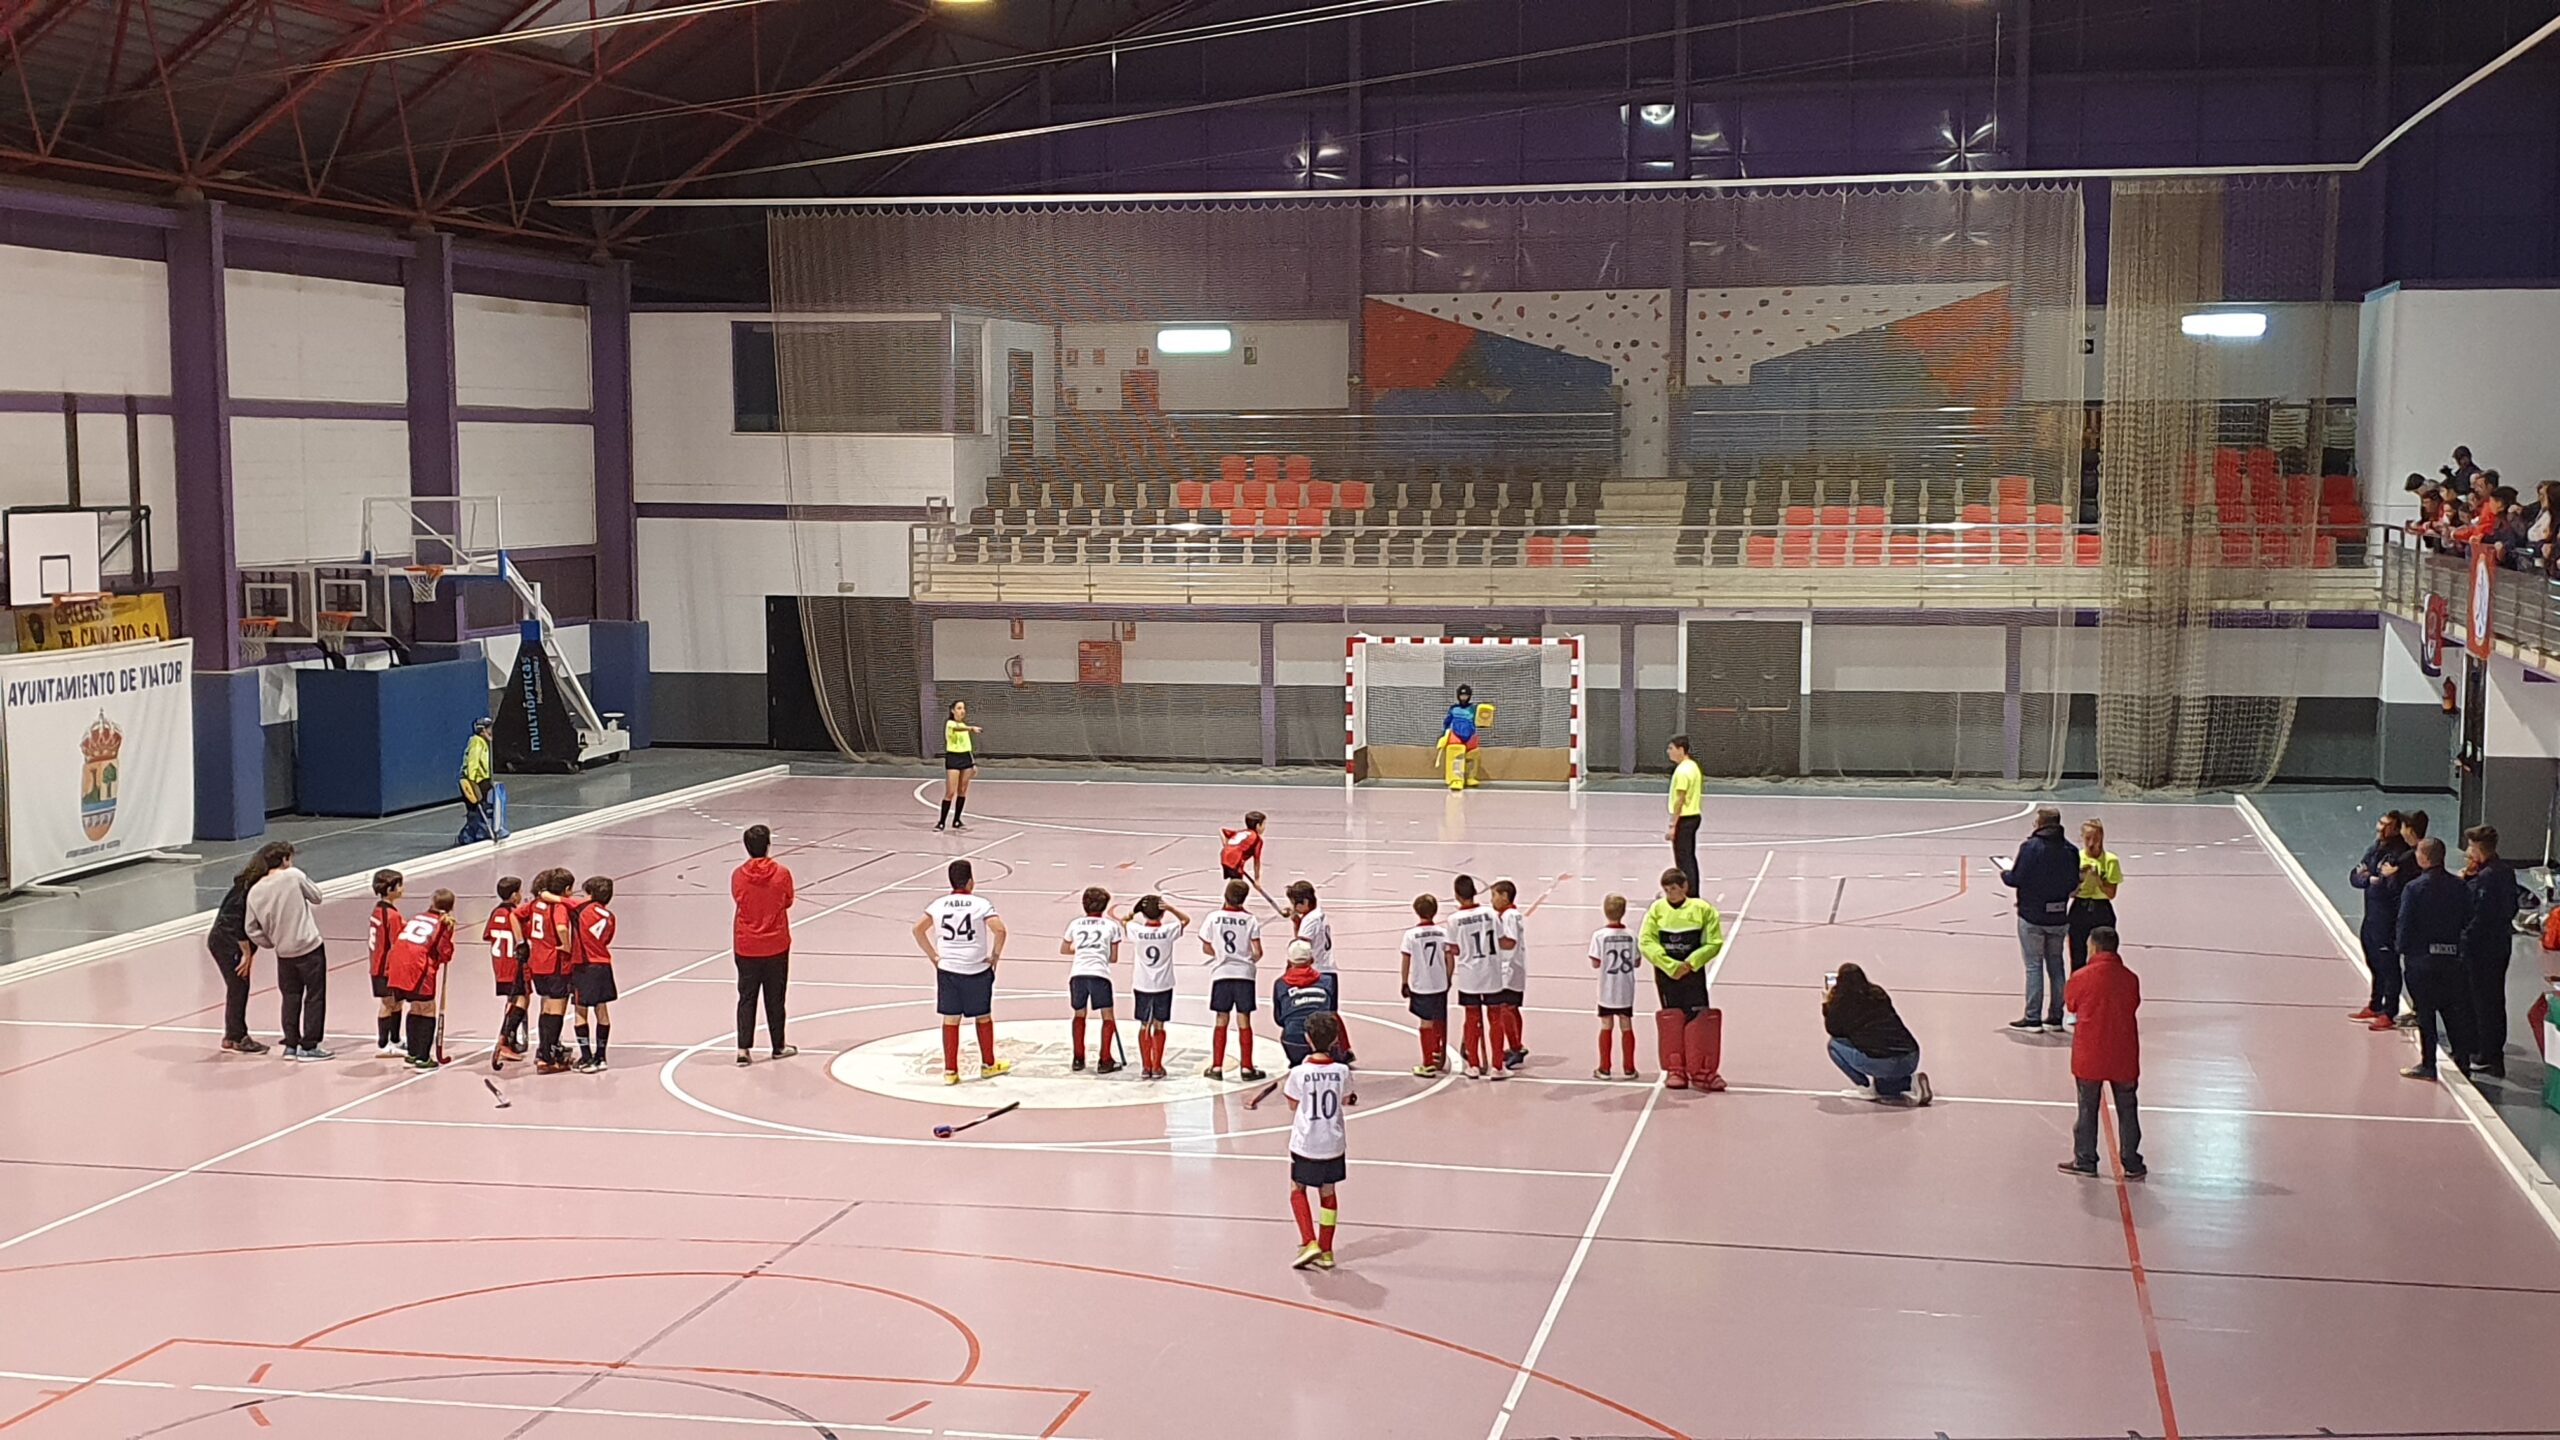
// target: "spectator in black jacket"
[[2488, 942], [228, 943], [1870, 1043], [2378, 875], [2045, 874], [2434, 908]]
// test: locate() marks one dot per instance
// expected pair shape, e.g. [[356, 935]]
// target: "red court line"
[[903, 1414], [2141, 1286], [1063, 1416], [848, 1377], [967, 1335], [109, 1373]]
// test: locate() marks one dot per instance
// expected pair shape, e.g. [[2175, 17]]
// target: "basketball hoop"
[[422, 581], [257, 632], [331, 629]]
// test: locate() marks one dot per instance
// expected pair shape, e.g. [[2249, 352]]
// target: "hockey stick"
[[945, 1132], [1262, 1094], [503, 1102]]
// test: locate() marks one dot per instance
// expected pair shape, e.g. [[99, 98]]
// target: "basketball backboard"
[[455, 533], [52, 552]]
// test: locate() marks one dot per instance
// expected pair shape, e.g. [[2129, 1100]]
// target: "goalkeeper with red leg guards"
[[1682, 935]]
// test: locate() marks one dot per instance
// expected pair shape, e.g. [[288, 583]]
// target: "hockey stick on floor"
[[1261, 1095], [945, 1132]]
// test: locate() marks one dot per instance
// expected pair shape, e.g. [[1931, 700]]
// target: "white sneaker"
[[1921, 1094], [391, 1050], [1475, 1072], [2055, 1029]]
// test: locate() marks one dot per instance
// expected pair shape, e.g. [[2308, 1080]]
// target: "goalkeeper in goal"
[[1458, 740]]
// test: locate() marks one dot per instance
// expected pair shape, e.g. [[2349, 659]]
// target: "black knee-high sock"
[[422, 1036], [944, 818], [583, 1052], [959, 808], [604, 1037], [550, 1035], [386, 1028]]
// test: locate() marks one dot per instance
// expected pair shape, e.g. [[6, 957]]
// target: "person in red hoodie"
[[2106, 1050], [762, 942]]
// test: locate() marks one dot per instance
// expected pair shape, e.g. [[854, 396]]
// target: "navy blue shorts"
[[1433, 1007], [1317, 1173], [554, 986], [381, 987], [1089, 992], [1231, 995], [1513, 998], [970, 997], [1617, 1012], [592, 985], [1478, 999], [1155, 1005]]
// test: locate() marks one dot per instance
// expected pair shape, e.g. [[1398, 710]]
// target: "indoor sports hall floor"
[[194, 1244]]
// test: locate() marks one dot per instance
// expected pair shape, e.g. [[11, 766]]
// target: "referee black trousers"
[[763, 976], [1684, 848]]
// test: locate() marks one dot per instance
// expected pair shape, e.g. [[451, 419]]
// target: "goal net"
[[1398, 689]]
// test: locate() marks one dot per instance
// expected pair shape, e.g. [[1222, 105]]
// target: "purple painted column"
[[1270, 696], [435, 407], [200, 416], [617, 511]]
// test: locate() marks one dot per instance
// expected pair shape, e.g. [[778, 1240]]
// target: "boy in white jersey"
[[1312, 925], [1232, 938], [1511, 945], [1151, 939], [1423, 975], [1319, 1091], [1614, 955], [963, 938], [1094, 941], [1474, 940]]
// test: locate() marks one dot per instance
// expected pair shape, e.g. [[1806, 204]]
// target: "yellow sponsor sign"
[[108, 620]]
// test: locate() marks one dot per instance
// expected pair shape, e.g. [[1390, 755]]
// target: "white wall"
[[294, 337], [299, 486], [2458, 367], [1205, 653], [703, 583], [2524, 715], [2308, 352], [543, 475], [33, 470], [90, 323], [523, 354], [1298, 365]]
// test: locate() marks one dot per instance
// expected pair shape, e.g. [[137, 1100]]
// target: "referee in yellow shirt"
[[1686, 782]]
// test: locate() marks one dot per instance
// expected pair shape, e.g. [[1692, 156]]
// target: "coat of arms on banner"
[[100, 748]]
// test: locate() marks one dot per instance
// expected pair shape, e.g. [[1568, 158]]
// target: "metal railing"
[[1956, 564], [1343, 440], [2524, 605]]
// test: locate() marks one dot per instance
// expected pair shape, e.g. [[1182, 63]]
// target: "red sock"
[[1147, 1047], [1306, 1217], [1079, 1033], [1110, 1034], [1244, 1047], [1218, 1048], [1511, 1020], [950, 1049], [1627, 1042], [1437, 1043], [1426, 1042], [1325, 1215], [1473, 1045], [987, 1041], [1604, 1049]]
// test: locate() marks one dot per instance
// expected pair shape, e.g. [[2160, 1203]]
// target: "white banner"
[[101, 756]]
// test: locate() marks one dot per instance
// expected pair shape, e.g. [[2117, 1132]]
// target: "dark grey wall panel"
[[2333, 739], [695, 708], [2516, 797], [279, 740], [2413, 747], [1310, 718]]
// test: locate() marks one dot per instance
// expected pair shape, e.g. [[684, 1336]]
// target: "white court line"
[[359, 882], [2512, 1156], [2213, 1111], [1132, 1148], [1609, 1192], [349, 1037], [759, 1422], [234, 1152], [818, 915]]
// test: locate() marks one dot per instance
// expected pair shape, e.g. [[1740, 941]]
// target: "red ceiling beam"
[[301, 86], [570, 98]]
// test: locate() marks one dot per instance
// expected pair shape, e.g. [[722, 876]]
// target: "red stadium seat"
[[2086, 547], [1312, 523], [1831, 536], [1902, 547], [2337, 489], [1576, 549], [1976, 546], [1300, 468], [1266, 468], [1320, 493], [1244, 522], [1257, 495], [1289, 494], [1353, 495], [2013, 490], [1796, 535], [1866, 535], [1190, 494], [1232, 468], [1760, 552], [1539, 552], [1225, 494]]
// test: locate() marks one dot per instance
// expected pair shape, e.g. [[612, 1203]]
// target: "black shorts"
[[961, 761], [1232, 872], [1433, 1007], [593, 985], [1478, 999], [971, 997], [1316, 1173], [381, 987], [1617, 1012], [554, 986], [410, 997], [1230, 995], [515, 989], [1513, 998], [1155, 1005], [1089, 992]]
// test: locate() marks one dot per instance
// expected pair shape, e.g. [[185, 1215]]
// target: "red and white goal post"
[[1397, 690]]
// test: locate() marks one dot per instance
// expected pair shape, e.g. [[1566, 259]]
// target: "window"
[[855, 377], [1195, 340]]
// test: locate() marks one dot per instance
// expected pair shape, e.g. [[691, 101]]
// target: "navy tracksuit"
[[2435, 908], [2380, 931], [2488, 942]]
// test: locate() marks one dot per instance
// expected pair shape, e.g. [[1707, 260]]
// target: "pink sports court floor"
[[195, 1244]]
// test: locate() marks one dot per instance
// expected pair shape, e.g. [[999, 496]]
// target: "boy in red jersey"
[[1239, 848], [546, 941], [504, 934], [591, 980], [417, 955], [380, 930]]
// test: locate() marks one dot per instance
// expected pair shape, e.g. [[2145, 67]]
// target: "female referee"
[[959, 757]]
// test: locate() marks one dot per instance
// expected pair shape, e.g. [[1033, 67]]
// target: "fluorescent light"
[[2224, 324], [1659, 114], [1195, 340]]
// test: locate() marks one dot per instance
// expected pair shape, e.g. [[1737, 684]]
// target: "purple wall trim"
[[243, 409], [515, 285], [739, 510], [513, 415], [471, 256], [260, 226], [297, 254], [200, 410], [608, 301], [77, 205], [435, 432], [86, 237], [35, 402]]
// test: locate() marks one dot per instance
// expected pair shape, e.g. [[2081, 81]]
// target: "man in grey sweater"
[[284, 917]]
